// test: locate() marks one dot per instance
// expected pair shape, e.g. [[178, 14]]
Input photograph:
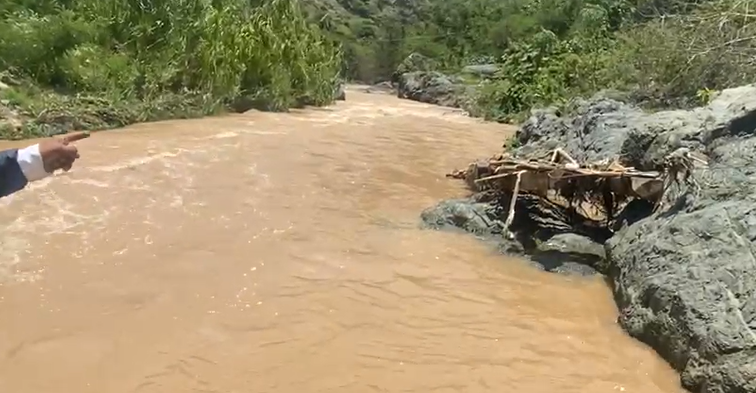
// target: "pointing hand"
[[60, 153]]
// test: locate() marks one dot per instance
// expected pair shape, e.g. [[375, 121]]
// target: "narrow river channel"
[[281, 253]]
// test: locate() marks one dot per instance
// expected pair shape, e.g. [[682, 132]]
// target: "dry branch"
[[559, 178]]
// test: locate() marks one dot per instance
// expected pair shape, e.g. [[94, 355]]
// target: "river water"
[[281, 253]]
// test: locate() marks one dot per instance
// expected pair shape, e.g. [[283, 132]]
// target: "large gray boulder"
[[385, 87], [414, 62], [431, 87], [538, 230], [684, 277]]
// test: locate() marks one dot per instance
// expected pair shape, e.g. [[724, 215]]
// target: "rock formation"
[[432, 87], [683, 273]]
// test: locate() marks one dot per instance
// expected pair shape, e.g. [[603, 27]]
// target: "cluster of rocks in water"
[[683, 276], [417, 79], [433, 87]]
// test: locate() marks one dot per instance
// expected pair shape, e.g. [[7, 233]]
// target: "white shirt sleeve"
[[31, 163]]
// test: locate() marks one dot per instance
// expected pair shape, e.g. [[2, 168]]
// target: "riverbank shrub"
[[669, 60], [106, 63], [668, 53]]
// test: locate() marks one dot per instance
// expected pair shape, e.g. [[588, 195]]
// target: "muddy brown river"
[[281, 253]]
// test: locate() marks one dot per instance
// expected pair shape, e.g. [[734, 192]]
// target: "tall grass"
[[145, 50]]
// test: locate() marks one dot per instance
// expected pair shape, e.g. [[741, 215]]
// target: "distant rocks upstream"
[[683, 275], [417, 79], [431, 87]]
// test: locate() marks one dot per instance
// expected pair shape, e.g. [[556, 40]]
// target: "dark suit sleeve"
[[12, 179]]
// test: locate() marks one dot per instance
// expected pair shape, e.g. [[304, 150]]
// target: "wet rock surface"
[[431, 87], [417, 79], [684, 277], [570, 253], [539, 231], [385, 87]]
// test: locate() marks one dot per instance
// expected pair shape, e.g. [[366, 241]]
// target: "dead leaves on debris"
[[560, 178]]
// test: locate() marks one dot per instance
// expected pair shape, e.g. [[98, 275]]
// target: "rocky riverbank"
[[432, 87], [684, 275], [418, 79]]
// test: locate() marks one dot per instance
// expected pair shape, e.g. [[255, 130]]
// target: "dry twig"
[[605, 184]]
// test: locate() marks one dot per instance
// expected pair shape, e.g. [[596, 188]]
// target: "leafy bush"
[[664, 52], [670, 61], [223, 50]]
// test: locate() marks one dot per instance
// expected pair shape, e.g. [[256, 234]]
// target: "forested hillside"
[[659, 52], [105, 63]]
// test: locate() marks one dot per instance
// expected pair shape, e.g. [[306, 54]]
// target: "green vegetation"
[[660, 53], [91, 64]]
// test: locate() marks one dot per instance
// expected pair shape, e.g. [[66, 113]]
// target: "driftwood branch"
[[604, 184], [513, 200]]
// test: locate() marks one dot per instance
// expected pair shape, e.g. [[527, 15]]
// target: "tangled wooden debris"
[[604, 186]]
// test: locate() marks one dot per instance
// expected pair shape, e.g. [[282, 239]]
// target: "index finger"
[[76, 136]]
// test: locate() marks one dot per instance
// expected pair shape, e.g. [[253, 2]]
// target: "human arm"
[[12, 178], [18, 167]]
